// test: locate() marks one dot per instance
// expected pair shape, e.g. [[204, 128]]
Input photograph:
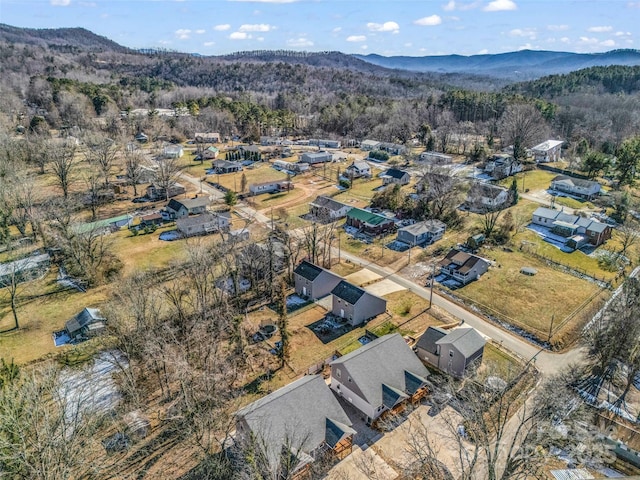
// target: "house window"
[[338, 373], [349, 379], [451, 353]]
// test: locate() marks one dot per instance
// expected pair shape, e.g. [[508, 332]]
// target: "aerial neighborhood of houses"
[[350, 262]]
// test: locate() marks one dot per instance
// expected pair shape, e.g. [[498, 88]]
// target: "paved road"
[[213, 192], [547, 363]]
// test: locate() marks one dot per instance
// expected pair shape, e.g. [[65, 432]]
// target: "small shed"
[[475, 241], [528, 271]]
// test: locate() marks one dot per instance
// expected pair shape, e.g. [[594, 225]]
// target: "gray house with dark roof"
[[187, 206], [356, 304], [462, 266], [328, 208], [205, 224], [225, 166], [313, 281], [451, 351], [302, 420], [578, 230], [422, 233], [380, 377], [395, 176], [87, 323]]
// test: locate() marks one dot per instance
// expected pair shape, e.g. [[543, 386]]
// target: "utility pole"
[[551, 328], [433, 279]]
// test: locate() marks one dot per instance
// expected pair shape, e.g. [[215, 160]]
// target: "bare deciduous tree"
[[522, 126], [63, 164]]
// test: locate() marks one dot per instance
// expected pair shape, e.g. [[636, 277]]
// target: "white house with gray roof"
[[358, 169], [316, 157], [380, 376], [303, 419], [578, 230], [422, 233], [451, 351], [204, 224], [587, 189], [313, 281], [355, 304]]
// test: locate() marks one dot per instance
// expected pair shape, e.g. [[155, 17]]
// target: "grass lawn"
[[497, 362], [261, 172], [362, 190], [574, 203], [528, 301], [532, 180], [43, 307]]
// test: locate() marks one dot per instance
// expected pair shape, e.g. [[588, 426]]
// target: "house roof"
[[226, 164], [82, 319], [463, 260], [23, 264], [367, 217], [359, 165], [423, 227], [328, 203], [428, 339], [383, 361], [395, 173], [577, 182], [561, 218], [188, 203], [317, 154], [372, 143], [308, 270], [173, 148], [97, 225], [150, 217], [301, 415], [348, 292], [547, 145], [466, 339], [486, 190], [193, 220]]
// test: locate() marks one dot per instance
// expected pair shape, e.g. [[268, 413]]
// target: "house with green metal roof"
[[105, 226], [369, 222]]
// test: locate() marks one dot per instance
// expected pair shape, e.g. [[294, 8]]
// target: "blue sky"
[[389, 27]]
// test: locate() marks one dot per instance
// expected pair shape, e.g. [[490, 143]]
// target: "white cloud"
[[183, 33], [600, 29], [209, 44], [408, 45], [356, 38], [588, 40], [239, 36], [164, 42], [484, 51], [384, 27], [300, 42], [200, 31], [449, 7], [257, 27], [88, 4], [500, 5], [622, 34], [523, 32], [364, 47], [526, 46], [557, 28], [565, 40], [608, 43], [60, 3], [429, 21], [337, 30], [223, 27]]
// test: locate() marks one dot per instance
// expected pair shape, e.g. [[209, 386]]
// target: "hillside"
[[612, 79], [522, 65], [78, 38]]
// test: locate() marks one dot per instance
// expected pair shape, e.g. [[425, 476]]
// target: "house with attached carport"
[[462, 266], [421, 233], [295, 426], [225, 166], [578, 187], [380, 378], [451, 351], [312, 281], [327, 208], [369, 222], [187, 206], [355, 304], [578, 230]]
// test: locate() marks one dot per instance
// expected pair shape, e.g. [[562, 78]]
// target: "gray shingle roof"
[[328, 203], [395, 173], [86, 317], [578, 182], [308, 270], [466, 339], [296, 415], [423, 227], [428, 339], [384, 361], [348, 292]]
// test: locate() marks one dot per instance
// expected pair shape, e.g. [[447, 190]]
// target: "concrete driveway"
[[384, 287], [362, 277]]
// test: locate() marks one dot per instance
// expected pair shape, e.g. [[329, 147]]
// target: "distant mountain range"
[[521, 65], [507, 67]]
